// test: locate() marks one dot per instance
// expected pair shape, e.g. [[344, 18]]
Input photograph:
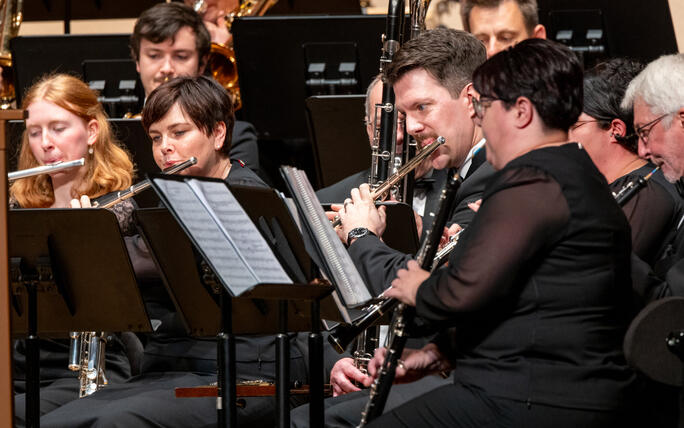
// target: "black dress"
[[539, 293]]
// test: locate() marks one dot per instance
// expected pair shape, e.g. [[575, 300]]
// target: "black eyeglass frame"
[[642, 132]]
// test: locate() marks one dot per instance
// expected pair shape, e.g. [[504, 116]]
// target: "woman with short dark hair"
[[538, 287]]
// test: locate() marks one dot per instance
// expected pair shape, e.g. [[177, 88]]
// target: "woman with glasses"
[[538, 288], [605, 131]]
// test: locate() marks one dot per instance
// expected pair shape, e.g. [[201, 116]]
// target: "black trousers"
[[149, 401], [53, 395], [457, 406], [345, 411]]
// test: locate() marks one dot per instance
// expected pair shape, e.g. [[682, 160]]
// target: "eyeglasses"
[[483, 103], [643, 131]]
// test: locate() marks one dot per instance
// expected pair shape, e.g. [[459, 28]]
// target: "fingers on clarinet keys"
[[400, 364]]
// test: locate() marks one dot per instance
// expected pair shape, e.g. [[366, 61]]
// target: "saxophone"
[[221, 60]]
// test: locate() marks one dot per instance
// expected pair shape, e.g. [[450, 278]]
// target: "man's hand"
[[414, 363], [360, 211], [475, 206], [342, 376], [405, 285], [448, 233], [84, 202]]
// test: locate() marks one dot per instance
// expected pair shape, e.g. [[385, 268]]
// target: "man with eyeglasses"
[[605, 131], [656, 96]]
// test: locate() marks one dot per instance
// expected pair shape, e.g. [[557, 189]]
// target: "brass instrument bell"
[[221, 62]]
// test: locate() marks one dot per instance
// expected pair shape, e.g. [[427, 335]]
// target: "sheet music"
[[240, 230], [345, 276], [220, 252]]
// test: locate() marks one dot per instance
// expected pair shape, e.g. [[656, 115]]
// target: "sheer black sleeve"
[[524, 211]]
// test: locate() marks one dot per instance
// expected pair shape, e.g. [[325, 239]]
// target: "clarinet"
[[404, 314], [632, 188]]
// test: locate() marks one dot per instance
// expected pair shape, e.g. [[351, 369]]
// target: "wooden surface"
[[6, 404], [262, 390]]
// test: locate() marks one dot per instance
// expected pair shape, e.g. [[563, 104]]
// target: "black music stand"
[[338, 135], [184, 280], [74, 267], [654, 344], [35, 56]]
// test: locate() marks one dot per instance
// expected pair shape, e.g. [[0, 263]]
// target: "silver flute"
[[111, 199], [45, 169]]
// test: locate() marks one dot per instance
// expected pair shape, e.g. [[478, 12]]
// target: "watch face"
[[358, 232]]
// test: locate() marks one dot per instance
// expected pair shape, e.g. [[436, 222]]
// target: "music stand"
[[73, 266], [35, 56], [339, 139], [602, 29], [261, 43], [318, 7], [234, 294]]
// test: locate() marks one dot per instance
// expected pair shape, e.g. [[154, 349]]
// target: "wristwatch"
[[358, 232]]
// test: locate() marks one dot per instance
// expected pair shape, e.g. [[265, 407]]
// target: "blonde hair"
[[109, 166]]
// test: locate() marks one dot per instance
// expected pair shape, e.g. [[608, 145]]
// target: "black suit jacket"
[[244, 145], [377, 263]]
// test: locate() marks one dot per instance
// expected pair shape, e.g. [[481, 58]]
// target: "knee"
[[299, 417]]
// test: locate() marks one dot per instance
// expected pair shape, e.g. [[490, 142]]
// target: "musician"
[[432, 80], [169, 40], [66, 122], [431, 76], [657, 100], [188, 116], [501, 23], [429, 181], [606, 132], [538, 287]]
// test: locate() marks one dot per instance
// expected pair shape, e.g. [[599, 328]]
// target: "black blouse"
[[538, 288]]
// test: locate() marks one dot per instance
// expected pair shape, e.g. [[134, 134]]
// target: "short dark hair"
[[203, 100], [545, 72], [604, 88], [528, 9], [450, 56], [162, 21]]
